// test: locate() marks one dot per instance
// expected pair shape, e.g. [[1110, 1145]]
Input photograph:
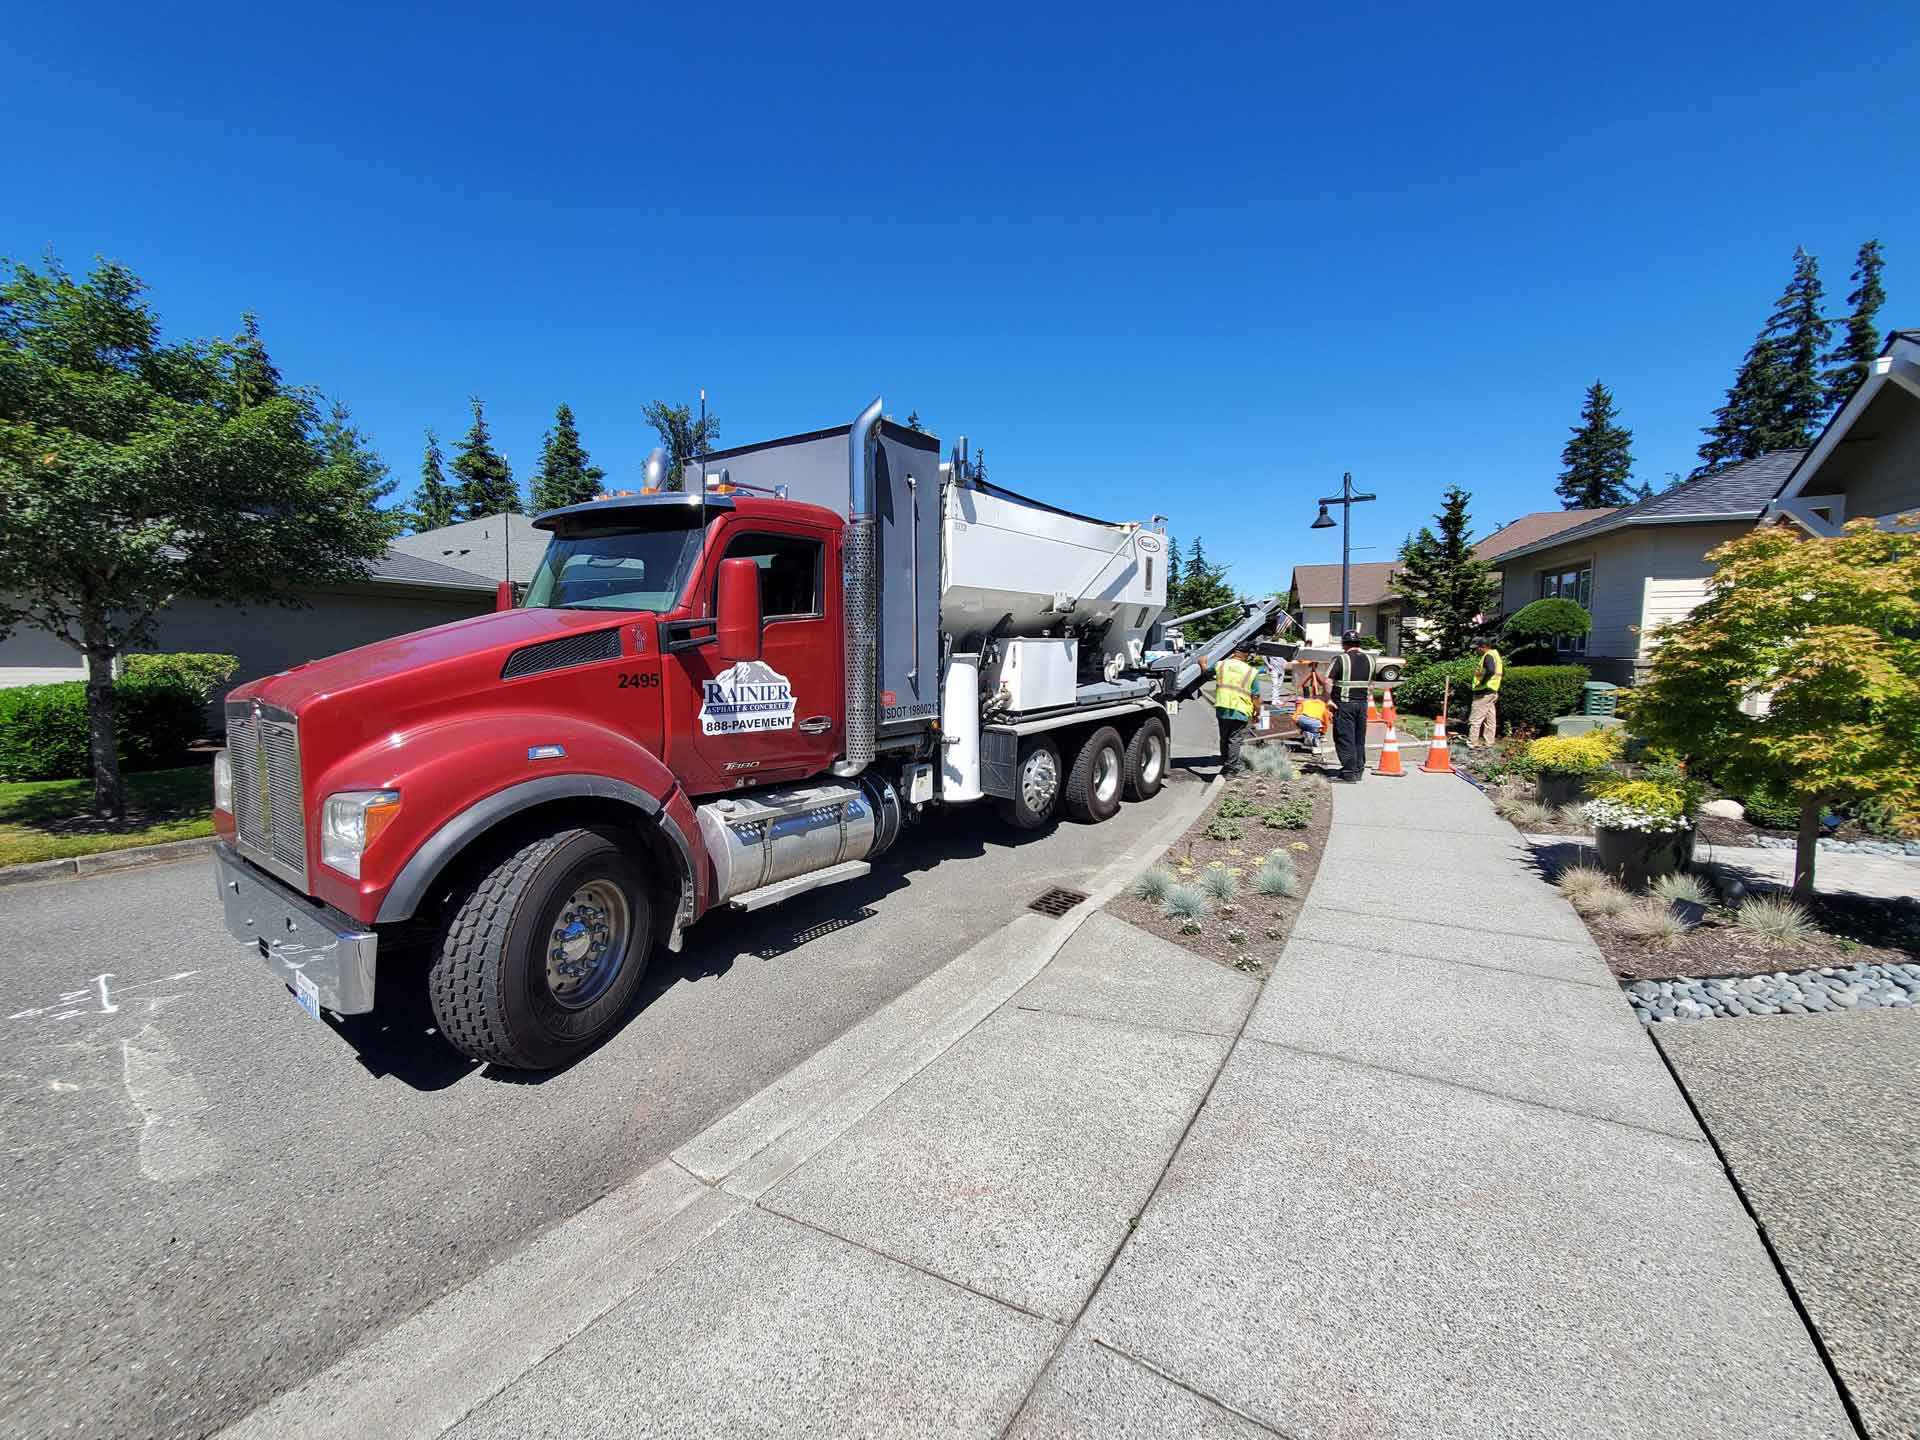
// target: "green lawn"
[[48, 819]]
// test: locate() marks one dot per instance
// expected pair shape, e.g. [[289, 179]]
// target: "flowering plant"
[[1639, 805]]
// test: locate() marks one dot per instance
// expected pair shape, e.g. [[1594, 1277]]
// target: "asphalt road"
[[208, 1197]]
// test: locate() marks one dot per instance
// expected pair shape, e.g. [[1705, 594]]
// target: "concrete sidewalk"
[[1433, 1180]]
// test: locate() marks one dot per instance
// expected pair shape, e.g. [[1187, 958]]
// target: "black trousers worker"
[[1350, 739], [1233, 735]]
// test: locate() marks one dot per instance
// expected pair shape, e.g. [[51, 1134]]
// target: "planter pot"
[[1635, 857], [1552, 788]]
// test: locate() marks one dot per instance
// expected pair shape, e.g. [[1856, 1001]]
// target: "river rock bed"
[[1843, 847], [1803, 992]]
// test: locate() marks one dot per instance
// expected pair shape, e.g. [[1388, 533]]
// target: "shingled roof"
[[1739, 492], [1530, 529], [1319, 585]]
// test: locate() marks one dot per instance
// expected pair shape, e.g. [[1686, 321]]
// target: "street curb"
[[424, 1375], [105, 860]]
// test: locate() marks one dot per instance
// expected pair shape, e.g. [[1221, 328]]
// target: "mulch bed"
[[1264, 921], [1853, 932]]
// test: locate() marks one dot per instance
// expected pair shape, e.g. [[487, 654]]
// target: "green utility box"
[[1600, 698]]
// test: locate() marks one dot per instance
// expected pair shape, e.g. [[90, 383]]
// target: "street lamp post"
[[1346, 500]]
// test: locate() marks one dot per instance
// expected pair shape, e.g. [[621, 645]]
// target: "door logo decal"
[[751, 695]]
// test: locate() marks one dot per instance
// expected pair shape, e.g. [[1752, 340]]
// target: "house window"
[[1577, 586]]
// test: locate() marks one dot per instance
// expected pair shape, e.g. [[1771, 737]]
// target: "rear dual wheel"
[[1098, 777]]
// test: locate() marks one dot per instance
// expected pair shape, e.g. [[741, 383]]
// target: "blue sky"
[[1193, 261]]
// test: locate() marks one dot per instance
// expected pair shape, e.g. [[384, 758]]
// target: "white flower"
[[1613, 815]]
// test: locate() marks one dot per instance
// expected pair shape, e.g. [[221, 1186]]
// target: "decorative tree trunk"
[[103, 749], [1806, 848]]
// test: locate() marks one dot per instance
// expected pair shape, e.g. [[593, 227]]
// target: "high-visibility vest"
[[1349, 688], [1233, 687], [1484, 681]]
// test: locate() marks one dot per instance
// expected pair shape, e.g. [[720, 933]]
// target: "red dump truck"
[[718, 698]]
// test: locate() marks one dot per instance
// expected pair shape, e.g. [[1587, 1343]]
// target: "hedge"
[[43, 728], [204, 673], [1532, 697]]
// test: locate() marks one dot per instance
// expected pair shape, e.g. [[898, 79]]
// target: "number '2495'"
[[638, 680]]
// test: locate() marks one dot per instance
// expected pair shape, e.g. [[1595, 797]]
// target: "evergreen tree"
[[1598, 461], [353, 468], [486, 480], [1203, 584], [1776, 401], [1453, 592], [913, 422], [434, 502], [1848, 360], [686, 436], [1173, 576], [566, 476], [256, 379]]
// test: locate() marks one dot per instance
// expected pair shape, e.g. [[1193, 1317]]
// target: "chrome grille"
[[263, 747]]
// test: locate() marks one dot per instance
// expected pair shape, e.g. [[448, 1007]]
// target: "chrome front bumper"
[[297, 937]]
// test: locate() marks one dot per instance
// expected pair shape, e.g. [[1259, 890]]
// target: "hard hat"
[[1350, 637]]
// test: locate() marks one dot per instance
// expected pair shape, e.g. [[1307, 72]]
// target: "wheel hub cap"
[[1038, 779], [588, 944]]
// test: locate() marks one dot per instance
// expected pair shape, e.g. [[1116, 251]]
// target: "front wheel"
[[540, 958], [1036, 784]]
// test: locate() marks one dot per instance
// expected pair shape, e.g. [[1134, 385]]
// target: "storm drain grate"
[[1057, 901]]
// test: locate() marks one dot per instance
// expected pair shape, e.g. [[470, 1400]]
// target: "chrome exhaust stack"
[[861, 598]]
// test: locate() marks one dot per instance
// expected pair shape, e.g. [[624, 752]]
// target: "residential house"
[[1376, 609], [496, 546], [1531, 529], [1640, 567], [1866, 464], [402, 593]]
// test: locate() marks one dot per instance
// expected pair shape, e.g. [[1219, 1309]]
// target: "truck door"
[[778, 717]]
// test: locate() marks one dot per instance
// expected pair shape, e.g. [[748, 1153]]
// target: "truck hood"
[[447, 658]]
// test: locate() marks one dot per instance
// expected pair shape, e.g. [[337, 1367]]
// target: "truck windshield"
[[630, 568]]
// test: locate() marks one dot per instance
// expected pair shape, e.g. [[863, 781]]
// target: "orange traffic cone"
[[1390, 747], [1439, 761], [1373, 709]]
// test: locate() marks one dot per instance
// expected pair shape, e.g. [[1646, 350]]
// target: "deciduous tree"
[[1800, 671], [1859, 338], [687, 437], [486, 480], [566, 475], [1597, 463], [1450, 590], [135, 470]]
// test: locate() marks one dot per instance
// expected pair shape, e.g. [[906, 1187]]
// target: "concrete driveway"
[[209, 1197]]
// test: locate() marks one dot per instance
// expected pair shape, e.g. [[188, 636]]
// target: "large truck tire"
[[1036, 784], [540, 958], [1098, 777], [1148, 755]]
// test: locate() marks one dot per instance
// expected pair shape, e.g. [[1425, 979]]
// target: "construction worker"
[[1351, 679], [1236, 694], [1486, 694], [1312, 715]]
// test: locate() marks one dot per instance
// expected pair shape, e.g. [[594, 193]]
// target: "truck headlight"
[[222, 782], [350, 822]]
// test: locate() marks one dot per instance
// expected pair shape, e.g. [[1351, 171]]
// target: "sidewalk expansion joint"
[[1766, 1240], [1193, 1390], [1608, 984], [1476, 1090], [1133, 1227], [912, 1265], [1465, 929], [1123, 1024]]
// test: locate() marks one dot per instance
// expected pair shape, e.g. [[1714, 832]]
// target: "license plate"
[[307, 995]]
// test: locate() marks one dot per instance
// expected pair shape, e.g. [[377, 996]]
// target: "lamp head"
[[1323, 521]]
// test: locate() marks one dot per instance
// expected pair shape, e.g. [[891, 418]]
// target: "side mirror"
[[737, 617], [503, 595]]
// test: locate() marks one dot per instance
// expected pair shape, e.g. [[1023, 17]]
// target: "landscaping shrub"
[[1218, 885], [1183, 902], [1276, 877], [1268, 761], [202, 673], [1155, 884], [1886, 820], [43, 728], [1772, 807], [1532, 697], [1653, 921], [1775, 918], [1234, 806], [1292, 811], [1577, 755], [1681, 887]]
